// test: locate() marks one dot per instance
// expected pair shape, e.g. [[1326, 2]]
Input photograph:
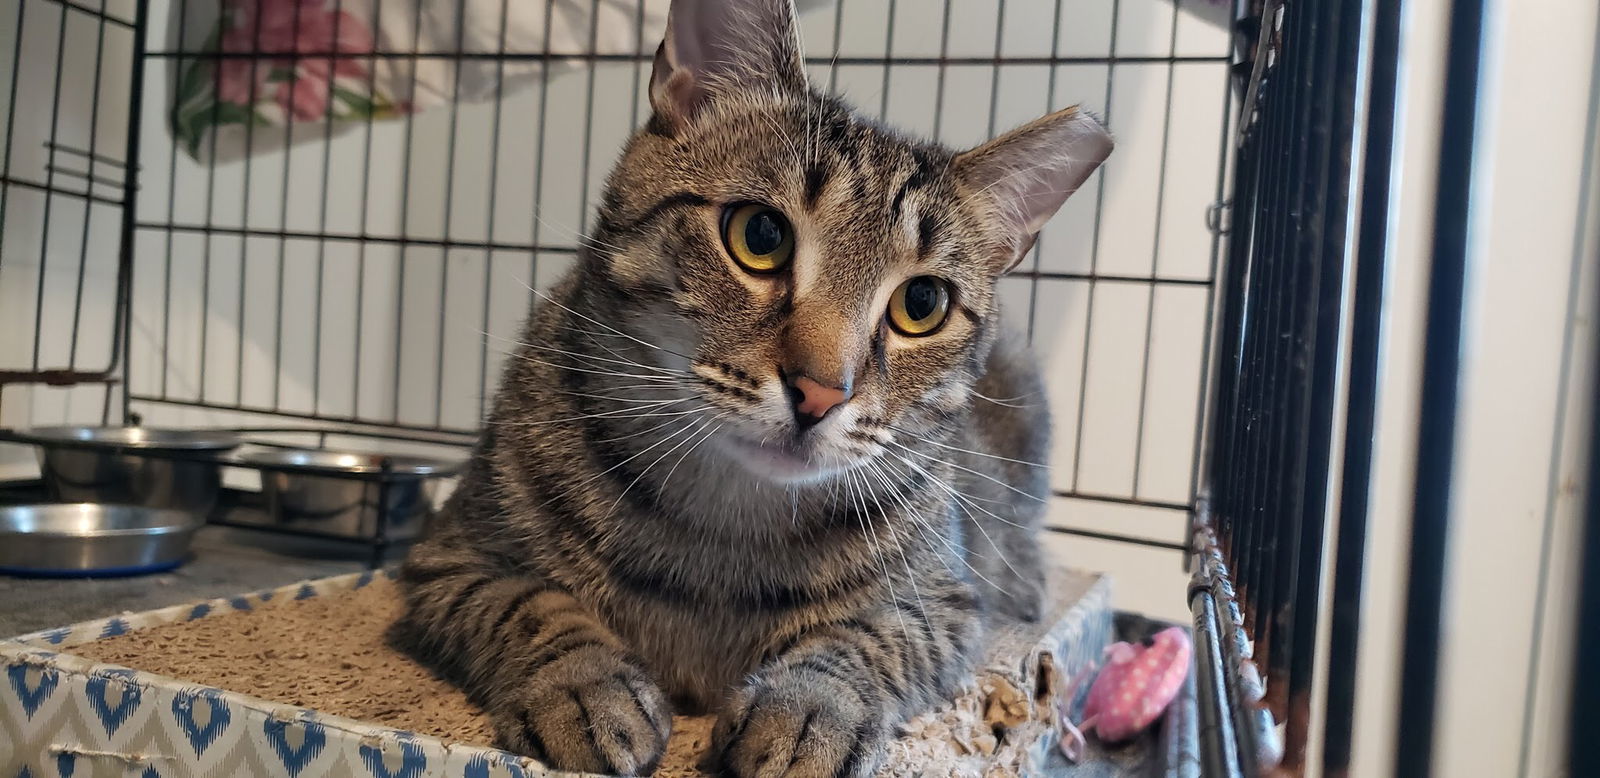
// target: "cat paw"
[[604, 718], [795, 726]]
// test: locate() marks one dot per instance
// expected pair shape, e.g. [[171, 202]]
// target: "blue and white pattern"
[[62, 716]]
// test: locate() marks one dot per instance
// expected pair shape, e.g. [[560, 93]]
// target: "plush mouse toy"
[[1133, 689]]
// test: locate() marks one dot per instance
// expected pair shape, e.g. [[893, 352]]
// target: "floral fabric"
[[273, 61]]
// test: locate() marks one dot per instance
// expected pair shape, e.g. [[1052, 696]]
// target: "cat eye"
[[919, 306], [758, 237]]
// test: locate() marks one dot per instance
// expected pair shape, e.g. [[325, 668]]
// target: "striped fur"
[[644, 528]]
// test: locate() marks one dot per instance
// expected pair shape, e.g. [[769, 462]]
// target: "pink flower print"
[[237, 81], [284, 37], [304, 98]]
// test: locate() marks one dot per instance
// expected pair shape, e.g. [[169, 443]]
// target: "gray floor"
[[229, 561], [225, 562]]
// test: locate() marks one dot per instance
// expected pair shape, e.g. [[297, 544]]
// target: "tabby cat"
[[767, 452]]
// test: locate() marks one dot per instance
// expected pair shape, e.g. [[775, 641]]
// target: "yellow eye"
[[758, 238], [919, 306]]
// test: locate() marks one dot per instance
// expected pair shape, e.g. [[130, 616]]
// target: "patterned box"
[[63, 716]]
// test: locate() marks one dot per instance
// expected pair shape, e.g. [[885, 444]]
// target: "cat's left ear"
[[715, 47], [1026, 174]]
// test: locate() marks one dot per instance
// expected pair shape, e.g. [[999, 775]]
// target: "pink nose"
[[816, 399]]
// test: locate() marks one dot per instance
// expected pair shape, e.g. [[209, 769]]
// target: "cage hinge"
[[1219, 217]]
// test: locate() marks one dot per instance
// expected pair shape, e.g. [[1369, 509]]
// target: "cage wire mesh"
[[351, 236], [1266, 472], [64, 185]]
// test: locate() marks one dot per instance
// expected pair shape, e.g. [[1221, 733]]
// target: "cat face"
[[830, 282]]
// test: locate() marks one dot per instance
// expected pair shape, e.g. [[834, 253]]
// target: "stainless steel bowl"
[[340, 492], [104, 464], [84, 539], [138, 437]]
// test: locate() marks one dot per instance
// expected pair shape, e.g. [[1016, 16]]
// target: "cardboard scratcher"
[[298, 682]]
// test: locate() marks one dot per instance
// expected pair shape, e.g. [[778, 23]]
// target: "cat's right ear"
[[714, 47]]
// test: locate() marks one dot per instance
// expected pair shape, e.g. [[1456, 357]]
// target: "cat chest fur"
[[703, 614]]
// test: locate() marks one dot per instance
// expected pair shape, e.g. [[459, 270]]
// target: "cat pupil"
[[763, 234], [922, 297]]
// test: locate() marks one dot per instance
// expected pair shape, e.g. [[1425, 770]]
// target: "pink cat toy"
[[1134, 688]]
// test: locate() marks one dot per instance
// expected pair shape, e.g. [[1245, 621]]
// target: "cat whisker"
[[620, 413], [689, 424], [656, 386], [552, 301], [685, 455], [665, 380], [960, 496], [986, 455], [982, 475], [962, 500], [872, 546], [989, 500], [636, 479], [591, 336], [632, 435], [1009, 402], [616, 399], [805, 117], [586, 332], [646, 405], [794, 151], [862, 488], [577, 487], [915, 590], [623, 364], [921, 524], [571, 233], [592, 243], [593, 358], [591, 333], [911, 514]]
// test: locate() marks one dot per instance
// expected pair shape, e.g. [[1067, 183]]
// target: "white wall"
[[1123, 358], [1525, 391], [1526, 394]]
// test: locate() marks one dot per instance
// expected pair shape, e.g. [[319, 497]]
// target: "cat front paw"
[[796, 726], [608, 718]]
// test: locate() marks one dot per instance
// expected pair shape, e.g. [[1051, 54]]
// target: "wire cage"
[[1261, 512], [318, 222], [357, 259]]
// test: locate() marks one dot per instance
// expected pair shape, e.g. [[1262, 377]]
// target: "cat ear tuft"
[[1027, 173], [713, 46]]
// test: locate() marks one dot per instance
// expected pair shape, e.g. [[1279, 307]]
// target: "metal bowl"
[[137, 437], [341, 493], [84, 540], [105, 465]]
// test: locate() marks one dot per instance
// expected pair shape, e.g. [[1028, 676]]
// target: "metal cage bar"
[[1584, 749], [219, 382], [1441, 376], [1361, 392], [1264, 400], [1260, 524], [86, 176]]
